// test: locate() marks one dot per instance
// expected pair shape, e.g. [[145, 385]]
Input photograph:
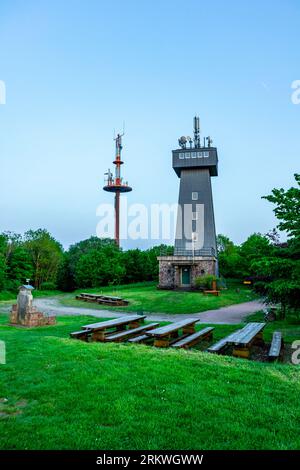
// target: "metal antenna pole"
[[117, 218], [116, 184]]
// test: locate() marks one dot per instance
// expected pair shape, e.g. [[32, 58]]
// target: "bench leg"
[[162, 343], [98, 336], [241, 352], [188, 330], [84, 338], [208, 336], [121, 328], [259, 339], [135, 324]]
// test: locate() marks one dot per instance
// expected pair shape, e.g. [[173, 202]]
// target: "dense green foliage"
[[90, 263], [58, 393], [205, 282], [281, 269], [274, 267], [236, 261], [99, 262], [35, 256]]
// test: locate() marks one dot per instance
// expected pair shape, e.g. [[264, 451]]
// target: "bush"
[[205, 282], [48, 286]]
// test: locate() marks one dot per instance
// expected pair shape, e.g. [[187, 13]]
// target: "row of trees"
[[99, 262], [90, 263]]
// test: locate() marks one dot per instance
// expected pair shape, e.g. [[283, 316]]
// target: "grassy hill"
[[57, 393], [146, 297]]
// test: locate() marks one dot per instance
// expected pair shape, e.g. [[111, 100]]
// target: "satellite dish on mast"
[[182, 141]]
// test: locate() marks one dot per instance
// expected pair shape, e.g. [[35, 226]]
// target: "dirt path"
[[226, 315]]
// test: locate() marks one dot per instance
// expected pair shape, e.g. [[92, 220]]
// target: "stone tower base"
[[180, 272]]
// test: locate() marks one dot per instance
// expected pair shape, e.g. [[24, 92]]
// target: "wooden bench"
[[101, 329], [164, 335], [82, 335], [218, 347], [241, 340], [124, 335], [140, 339], [211, 292], [276, 345], [192, 340]]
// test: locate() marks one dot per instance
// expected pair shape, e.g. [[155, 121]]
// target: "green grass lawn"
[[58, 393], [146, 297]]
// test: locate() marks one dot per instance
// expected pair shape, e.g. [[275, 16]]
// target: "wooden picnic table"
[[101, 296], [164, 335], [100, 329], [246, 335], [102, 299], [241, 340]]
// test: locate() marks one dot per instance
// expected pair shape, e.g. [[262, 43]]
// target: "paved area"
[[226, 315]]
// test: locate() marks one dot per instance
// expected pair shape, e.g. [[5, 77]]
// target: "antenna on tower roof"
[[197, 132]]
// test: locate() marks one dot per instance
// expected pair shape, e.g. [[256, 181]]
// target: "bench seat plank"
[[194, 338], [248, 334], [168, 329], [115, 322], [82, 334], [123, 335], [217, 347], [276, 345], [100, 296], [139, 339]]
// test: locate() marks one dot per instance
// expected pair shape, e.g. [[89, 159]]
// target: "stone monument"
[[25, 314]]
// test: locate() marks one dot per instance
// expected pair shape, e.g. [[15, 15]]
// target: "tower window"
[[194, 196]]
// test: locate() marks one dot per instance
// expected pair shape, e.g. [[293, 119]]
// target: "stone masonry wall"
[[166, 275], [170, 271]]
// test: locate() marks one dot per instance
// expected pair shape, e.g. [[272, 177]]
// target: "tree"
[[287, 208], [256, 246], [225, 245], [2, 272], [46, 255], [135, 265], [65, 278], [16, 263], [281, 284], [20, 266], [231, 263], [95, 262], [282, 267]]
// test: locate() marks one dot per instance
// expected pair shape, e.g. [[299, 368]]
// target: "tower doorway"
[[185, 276]]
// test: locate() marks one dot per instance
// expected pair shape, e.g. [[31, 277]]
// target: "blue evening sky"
[[75, 70]]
